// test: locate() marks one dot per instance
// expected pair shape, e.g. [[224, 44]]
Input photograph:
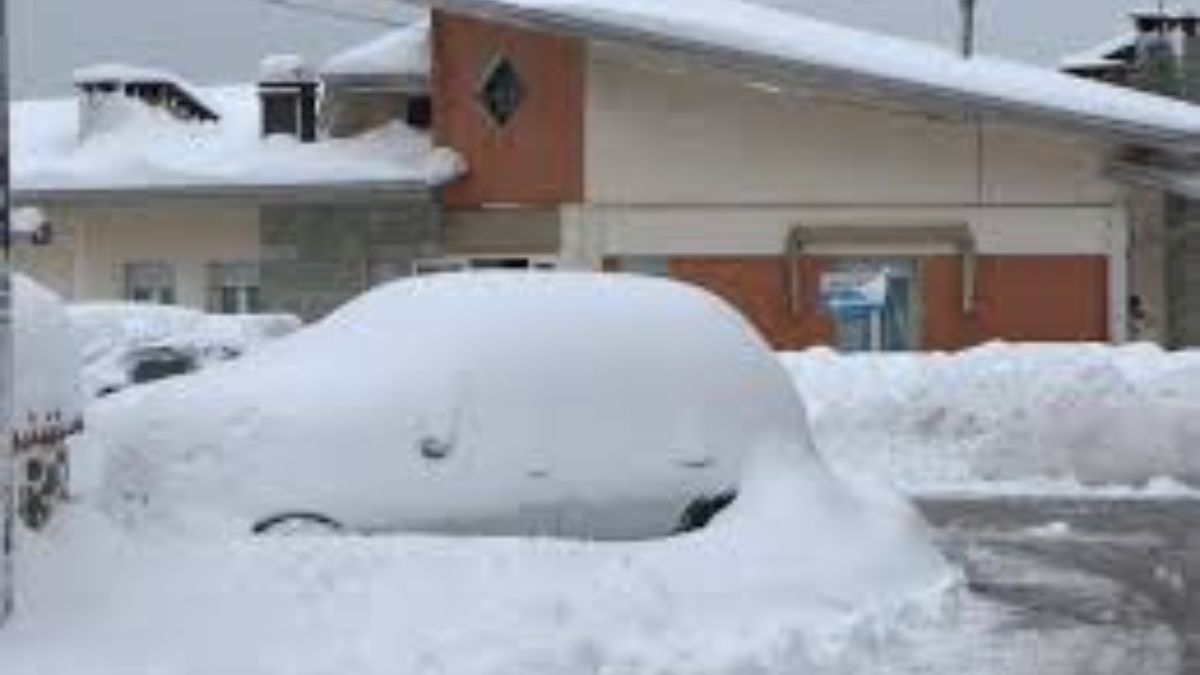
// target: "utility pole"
[[968, 27], [7, 369]]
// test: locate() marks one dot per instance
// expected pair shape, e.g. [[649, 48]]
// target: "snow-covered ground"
[[1024, 418], [786, 581]]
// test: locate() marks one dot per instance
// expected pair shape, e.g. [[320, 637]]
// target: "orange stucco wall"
[[537, 158], [1020, 298]]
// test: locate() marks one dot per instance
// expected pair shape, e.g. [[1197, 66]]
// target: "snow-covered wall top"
[[781, 42], [402, 52], [140, 147]]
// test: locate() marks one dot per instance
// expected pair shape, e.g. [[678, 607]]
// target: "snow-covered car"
[[47, 405], [571, 404], [132, 343]]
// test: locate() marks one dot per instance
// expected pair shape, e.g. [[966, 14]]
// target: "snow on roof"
[[778, 43], [402, 52], [147, 149], [124, 73], [1103, 54], [284, 68]]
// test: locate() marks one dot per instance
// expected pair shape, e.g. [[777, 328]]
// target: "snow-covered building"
[[837, 186], [230, 199], [790, 165]]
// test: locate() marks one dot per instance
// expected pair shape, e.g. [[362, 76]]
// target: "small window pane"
[[501, 92], [150, 282]]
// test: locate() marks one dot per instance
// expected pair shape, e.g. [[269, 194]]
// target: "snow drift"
[[1036, 417]]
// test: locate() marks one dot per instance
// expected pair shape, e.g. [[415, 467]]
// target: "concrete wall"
[[316, 257], [92, 244]]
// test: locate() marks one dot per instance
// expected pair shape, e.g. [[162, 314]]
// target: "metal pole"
[[6, 341], [968, 28]]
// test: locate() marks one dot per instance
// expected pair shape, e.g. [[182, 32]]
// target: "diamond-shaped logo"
[[501, 91]]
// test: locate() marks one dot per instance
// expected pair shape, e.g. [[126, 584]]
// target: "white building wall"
[[92, 244], [657, 135]]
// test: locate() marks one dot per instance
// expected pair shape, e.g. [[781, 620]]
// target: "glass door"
[[873, 303]]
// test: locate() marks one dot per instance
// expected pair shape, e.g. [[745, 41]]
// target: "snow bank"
[[1037, 417], [139, 147], [400, 52], [109, 332]]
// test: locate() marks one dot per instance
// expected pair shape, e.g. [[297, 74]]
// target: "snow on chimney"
[[287, 91]]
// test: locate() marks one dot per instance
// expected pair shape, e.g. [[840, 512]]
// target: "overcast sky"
[[214, 41]]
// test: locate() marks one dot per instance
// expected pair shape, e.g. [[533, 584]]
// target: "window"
[[442, 265], [501, 91], [150, 281], [234, 288], [652, 266], [418, 112], [874, 304]]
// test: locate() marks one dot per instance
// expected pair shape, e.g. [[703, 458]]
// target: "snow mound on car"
[[537, 388]]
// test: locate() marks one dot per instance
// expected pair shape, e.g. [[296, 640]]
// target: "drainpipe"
[[968, 27], [6, 341]]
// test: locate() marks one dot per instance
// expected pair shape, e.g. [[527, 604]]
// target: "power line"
[[329, 12]]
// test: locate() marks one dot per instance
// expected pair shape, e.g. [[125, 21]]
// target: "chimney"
[[1156, 66], [287, 89]]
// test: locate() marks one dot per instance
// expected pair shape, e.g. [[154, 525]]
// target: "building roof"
[[790, 49], [399, 53], [1115, 51], [145, 150]]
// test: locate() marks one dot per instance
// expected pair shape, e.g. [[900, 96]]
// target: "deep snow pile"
[[1030, 417], [805, 575], [135, 146], [108, 333], [463, 398]]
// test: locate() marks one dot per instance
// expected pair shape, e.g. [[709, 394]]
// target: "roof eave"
[[316, 193]]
